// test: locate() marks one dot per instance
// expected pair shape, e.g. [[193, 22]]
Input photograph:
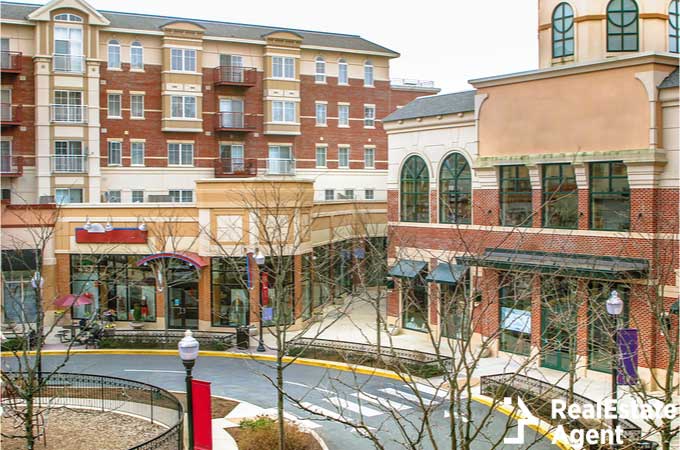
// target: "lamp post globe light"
[[259, 260], [614, 307], [188, 351]]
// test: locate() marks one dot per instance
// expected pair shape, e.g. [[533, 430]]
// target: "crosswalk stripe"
[[331, 415], [384, 402], [456, 415], [354, 407], [432, 391], [407, 396]]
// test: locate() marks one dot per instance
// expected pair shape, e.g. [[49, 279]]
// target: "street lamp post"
[[614, 309], [188, 351], [260, 260]]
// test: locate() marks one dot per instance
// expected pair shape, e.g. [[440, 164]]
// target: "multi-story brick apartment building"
[[124, 118], [547, 187]]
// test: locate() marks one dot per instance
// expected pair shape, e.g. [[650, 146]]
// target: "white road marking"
[[407, 396], [332, 415], [432, 391], [154, 371], [456, 415], [310, 387], [354, 407], [384, 402]]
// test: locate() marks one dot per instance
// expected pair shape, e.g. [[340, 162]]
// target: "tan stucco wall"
[[583, 112]]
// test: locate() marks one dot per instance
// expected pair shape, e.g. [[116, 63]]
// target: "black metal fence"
[[209, 340], [97, 392], [538, 396]]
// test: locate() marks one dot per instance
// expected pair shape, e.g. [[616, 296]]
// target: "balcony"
[[280, 166], [68, 63], [10, 115], [10, 62], [235, 167], [232, 121], [235, 76], [69, 163], [68, 113], [11, 166]]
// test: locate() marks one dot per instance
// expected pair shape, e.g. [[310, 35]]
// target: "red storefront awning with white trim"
[[191, 258]]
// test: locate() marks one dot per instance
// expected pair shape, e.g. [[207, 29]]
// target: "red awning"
[[188, 257]]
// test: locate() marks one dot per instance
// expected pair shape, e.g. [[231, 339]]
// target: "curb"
[[541, 427], [363, 370]]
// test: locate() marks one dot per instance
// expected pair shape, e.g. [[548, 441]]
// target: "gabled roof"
[[671, 81], [148, 22], [435, 105]]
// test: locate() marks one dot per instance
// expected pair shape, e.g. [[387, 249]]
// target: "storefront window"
[[116, 284], [306, 286], [375, 264], [455, 190], [609, 196], [560, 196], [602, 326], [415, 191], [559, 311], [321, 292], [281, 306], [515, 305], [516, 206], [18, 295], [454, 311], [415, 303], [230, 297]]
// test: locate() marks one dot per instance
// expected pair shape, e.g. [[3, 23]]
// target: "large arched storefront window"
[[455, 190], [415, 191], [563, 31]]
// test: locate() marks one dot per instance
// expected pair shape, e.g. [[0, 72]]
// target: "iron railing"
[[227, 340], [108, 394], [235, 167], [10, 61], [68, 63], [68, 113], [234, 121], [280, 166], [10, 114], [11, 165], [235, 75], [69, 163], [538, 396]]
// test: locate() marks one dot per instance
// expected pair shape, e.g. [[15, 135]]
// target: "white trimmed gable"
[[43, 13]]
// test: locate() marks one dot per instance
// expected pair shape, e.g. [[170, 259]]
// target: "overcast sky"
[[448, 42]]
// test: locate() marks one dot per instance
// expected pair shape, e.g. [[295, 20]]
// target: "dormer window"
[[622, 26], [68, 18], [563, 31]]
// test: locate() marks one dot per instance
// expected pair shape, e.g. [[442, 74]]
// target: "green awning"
[[447, 273], [563, 264], [675, 308], [405, 268]]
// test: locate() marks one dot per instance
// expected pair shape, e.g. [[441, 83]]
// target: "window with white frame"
[[114, 106], [181, 195], [183, 107], [368, 73], [320, 70], [69, 157], [68, 49], [68, 18], [68, 195], [321, 113], [137, 153], [136, 56], [112, 196], [68, 107], [283, 67], [321, 154], [343, 115], [183, 59], [114, 54], [369, 194], [5, 156], [349, 194], [343, 73], [137, 106], [343, 157], [329, 194], [180, 154], [137, 197], [115, 153], [369, 116], [369, 157], [283, 111]]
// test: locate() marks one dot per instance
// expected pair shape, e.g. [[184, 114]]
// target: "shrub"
[[262, 433]]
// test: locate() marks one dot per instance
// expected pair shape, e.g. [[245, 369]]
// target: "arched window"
[[455, 190], [673, 27], [368, 73], [563, 31], [114, 54], [320, 70], [68, 18], [136, 55], [415, 191], [622, 26], [343, 74]]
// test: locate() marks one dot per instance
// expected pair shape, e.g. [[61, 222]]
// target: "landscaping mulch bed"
[[241, 439], [84, 430], [220, 407]]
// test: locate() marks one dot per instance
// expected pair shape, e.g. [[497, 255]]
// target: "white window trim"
[[316, 159], [184, 69], [183, 117], [108, 153], [143, 164], [283, 112], [283, 68], [369, 147], [349, 151], [141, 47], [133, 117], [317, 74], [120, 56], [180, 164], [316, 115], [120, 105], [370, 106], [346, 64], [348, 115]]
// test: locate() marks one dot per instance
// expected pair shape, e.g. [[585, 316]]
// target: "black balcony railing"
[[235, 76], [235, 167], [234, 121]]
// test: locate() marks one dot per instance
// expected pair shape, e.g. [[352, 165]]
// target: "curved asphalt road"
[[327, 391]]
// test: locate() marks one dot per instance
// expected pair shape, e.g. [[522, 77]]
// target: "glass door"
[[183, 306], [5, 156], [280, 159], [232, 157], [232, 68], [5, 58], [231, 113], [415, 304]]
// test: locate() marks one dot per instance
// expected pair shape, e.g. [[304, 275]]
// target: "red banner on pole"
[[200, 391], [265, 289]]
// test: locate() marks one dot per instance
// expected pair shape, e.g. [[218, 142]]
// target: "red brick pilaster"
[[486, 207], [434, 206], [583, 209], [537, 211], [582, 319]]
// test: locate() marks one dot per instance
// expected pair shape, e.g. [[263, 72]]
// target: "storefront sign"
[[627, 341], [200, 401], [516, 320], [115, 236]]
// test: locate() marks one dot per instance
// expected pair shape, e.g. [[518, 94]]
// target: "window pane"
[[137, 153], [173, 154], [176, 107], [190, 60], [176, 59]]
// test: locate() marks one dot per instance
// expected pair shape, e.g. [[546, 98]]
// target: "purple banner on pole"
[[627, 342]]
